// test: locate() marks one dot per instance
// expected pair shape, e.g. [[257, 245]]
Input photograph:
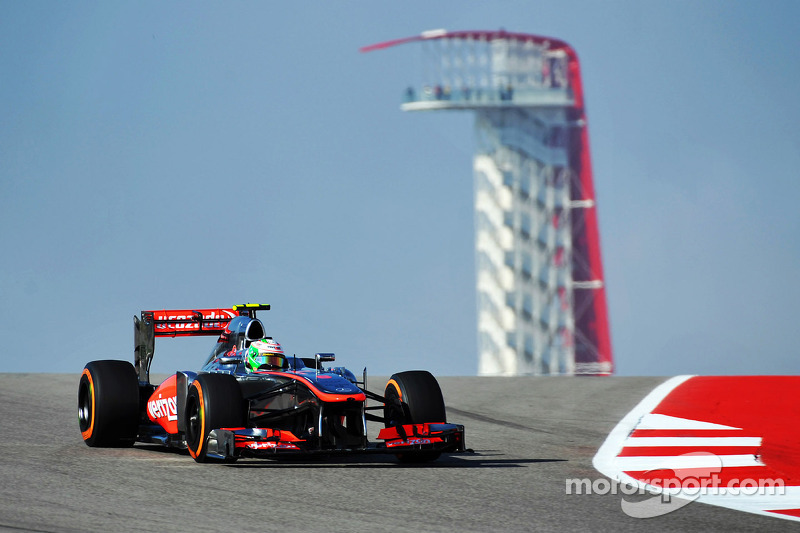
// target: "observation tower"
[[540, 289]]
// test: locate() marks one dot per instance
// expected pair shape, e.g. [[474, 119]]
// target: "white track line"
[[607, 462], [657, 442], [604, 459], [654, 421], [681, 462]]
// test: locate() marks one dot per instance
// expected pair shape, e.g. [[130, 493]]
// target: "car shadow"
[[468, 459], [463, 460]]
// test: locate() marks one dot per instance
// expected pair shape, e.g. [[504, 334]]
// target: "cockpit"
[[240, 332]]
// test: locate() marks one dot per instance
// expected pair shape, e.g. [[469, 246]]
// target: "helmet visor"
[[270, 360]]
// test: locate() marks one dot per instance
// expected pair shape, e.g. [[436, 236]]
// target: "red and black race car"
[[229, 409]]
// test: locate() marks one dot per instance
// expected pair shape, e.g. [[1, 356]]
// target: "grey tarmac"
[[529, 435]]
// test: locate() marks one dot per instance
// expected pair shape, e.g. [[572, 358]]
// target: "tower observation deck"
[[540, 290]]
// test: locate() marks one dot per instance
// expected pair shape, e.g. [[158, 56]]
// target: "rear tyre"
[[413, 397], [108, 404], [214, 401]]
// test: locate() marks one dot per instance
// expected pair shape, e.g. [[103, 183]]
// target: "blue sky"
[[181, 155]]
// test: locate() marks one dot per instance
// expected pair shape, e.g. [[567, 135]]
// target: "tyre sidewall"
[[109, 391], [420, 396], [414, 397], [217, 401]]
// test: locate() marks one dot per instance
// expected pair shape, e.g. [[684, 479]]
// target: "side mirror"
[[324, 358]]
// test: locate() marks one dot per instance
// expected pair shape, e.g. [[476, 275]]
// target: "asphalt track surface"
[[529, 435]]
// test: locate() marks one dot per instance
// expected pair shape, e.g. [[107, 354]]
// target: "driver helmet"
[[265, 354]]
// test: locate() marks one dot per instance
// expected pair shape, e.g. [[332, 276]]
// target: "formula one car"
[[250, 400]]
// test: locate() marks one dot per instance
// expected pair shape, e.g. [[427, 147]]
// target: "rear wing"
[[180, 323]]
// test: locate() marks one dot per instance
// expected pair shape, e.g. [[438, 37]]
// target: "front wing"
[[229, 443]]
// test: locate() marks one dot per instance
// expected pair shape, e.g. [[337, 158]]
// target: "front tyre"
[[413, 397], [214, 401], [108, 404]]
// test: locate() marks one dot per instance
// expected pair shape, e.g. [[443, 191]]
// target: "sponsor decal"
[[163, 407], [224, 315], [271, 446], [408, 442]]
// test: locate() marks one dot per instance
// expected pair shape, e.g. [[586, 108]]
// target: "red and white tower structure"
[[540, 287]]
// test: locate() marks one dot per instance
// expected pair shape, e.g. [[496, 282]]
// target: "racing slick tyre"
[[108, 404], [413, 397], [214, 401]]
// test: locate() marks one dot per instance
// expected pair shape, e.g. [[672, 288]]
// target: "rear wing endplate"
[[180, 323]]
